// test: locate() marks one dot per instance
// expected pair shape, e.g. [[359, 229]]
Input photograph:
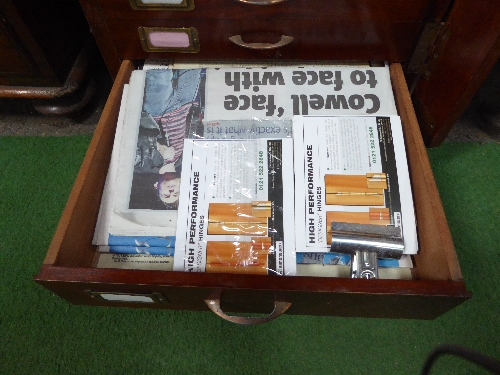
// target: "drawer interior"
[[71, 246]]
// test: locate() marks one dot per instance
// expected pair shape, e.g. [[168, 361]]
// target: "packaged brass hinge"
[[429, 48]]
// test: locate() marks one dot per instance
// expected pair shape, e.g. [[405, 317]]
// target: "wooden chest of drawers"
[[437, 285], [450, 46]]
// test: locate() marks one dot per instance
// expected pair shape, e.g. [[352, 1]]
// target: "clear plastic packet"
[[236, 207], [246, 129]]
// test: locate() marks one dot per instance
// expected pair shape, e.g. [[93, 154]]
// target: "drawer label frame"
[[192, 33], [120, 297]]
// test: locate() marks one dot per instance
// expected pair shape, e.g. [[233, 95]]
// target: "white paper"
[[127, 221], [339, 146], [278, 93], [235, 173]]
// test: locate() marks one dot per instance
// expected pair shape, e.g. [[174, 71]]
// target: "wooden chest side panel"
[[468, 50], [71, 244], [104, 40], [437, 258]]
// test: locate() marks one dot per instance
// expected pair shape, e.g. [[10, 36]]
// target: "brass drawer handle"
[[261, 2], [169, 5], [279, 308], [236, 39]]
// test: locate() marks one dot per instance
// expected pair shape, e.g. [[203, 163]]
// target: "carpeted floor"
[[42, 334]]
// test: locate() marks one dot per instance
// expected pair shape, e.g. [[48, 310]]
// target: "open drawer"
[[436, 287]]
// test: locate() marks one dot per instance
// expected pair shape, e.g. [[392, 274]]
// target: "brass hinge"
[[429, 48]]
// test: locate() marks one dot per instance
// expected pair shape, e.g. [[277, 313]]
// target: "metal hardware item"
[[429, 48], [419, 56], [279, 308], [158, 5], [365, 243], [385, 240], [194, 42], [261, 2], [236, 39], [73, 83], [364, 265]]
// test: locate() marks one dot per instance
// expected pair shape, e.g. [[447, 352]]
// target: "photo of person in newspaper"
[[172, 110], [168, 188]]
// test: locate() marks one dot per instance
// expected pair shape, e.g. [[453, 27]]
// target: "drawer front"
[[332, 41], [316, 296], [372, 11]]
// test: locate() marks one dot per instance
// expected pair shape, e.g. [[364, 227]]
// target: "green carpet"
[[42, 334]]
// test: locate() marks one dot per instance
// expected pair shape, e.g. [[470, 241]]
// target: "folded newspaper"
[[338, 259], [162, 107], [112, 227]]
